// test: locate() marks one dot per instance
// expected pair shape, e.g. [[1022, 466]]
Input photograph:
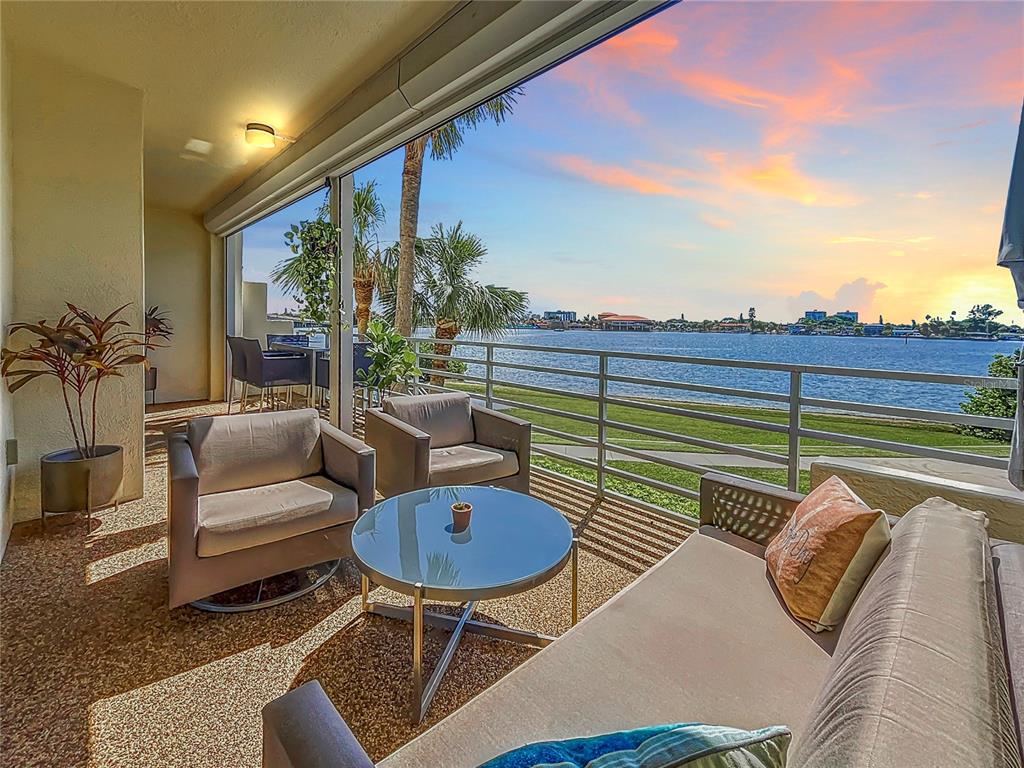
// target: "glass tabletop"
[[513, 542]]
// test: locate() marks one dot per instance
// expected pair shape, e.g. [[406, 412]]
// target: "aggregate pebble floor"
[[96, 671]]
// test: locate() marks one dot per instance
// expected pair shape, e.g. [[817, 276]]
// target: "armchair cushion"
[[470, 464], [248, 450], [446, 417], [234, 520]]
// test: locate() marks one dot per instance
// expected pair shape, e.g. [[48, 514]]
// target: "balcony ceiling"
[[207, 68]]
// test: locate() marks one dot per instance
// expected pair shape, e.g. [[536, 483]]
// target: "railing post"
[[489, 386], [602, 416], [793, 480]]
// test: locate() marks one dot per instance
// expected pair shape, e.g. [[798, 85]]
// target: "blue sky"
[[722, 156]]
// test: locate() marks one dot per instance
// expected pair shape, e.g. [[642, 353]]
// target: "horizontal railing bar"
[[546, 390], [728, 391], [914, 450], [697, 469], [656, 484], [452, 375], [545, 409], [587, 441], [734, 420], [920, 414], [962, 380], [703, 443], [467, 360], [561, 457], [547, 369]]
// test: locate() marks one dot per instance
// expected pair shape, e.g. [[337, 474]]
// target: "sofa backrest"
[[919, 675], [250, 450], [447, 417]]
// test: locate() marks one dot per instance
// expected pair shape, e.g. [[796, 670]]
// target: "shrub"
[[986, 401]]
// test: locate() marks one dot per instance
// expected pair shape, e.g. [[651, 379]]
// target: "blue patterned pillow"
[[692, 745]]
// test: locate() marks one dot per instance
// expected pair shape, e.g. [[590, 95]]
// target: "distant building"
[[613, 322], [815, 314], [853, 317], [560, 316], [795, 329], [873, 329]]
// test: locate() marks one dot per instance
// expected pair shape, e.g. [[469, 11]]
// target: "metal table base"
[[423, 695]]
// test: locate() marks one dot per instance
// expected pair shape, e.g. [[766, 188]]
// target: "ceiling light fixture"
[[260, 135]]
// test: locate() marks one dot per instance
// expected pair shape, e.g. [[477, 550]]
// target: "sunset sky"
[[787, 156]]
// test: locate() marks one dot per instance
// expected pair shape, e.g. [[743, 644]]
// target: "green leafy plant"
[[309, 273], [158, 325], [986, 401], [80, 350], [393, 361]]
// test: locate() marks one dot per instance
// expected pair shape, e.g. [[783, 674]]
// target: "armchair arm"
[[748, 508], [349, 462], [503, 431], [302, 729], [403, 453], [182, 510]]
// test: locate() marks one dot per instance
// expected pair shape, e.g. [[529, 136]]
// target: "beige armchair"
[[253, 496], [433, 440]]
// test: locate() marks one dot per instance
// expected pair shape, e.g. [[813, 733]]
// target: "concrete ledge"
[[897, 491]]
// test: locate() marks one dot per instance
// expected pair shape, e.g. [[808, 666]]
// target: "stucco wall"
[[216, 342], [255, 324], [78, 236], [6, 275], [178, 281]]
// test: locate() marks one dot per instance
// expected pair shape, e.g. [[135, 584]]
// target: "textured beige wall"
[[78, 237], [178, 281], [6, 277], [216, 341], [897, 491]]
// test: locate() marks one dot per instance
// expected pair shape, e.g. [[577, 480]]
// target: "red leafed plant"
[[81, 350]]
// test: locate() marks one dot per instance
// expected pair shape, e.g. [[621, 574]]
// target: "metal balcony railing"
[[600, 375]]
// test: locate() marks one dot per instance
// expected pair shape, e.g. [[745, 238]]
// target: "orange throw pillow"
[[821, 557]]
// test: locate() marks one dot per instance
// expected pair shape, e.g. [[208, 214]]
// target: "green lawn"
[[676, 477], [900, 430]]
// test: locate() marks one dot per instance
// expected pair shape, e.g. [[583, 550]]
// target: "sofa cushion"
[[247, 450], [446, 417], [693, 745], [700, 637], [235, 520], [470, 464], [919, 678], [823, 554]]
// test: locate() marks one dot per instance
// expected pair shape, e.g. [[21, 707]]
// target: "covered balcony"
[[140, 142]]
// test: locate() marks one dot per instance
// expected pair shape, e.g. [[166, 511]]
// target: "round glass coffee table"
[[414, 545]]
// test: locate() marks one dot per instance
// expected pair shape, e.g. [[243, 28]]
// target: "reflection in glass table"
[[412, 545]]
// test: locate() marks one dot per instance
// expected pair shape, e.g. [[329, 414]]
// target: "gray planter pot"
[[69, 483], [151, 379]]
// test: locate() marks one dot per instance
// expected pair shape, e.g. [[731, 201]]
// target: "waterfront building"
[[873, 329], [853, 317], [613, 322], [815, 314], [560, 316]]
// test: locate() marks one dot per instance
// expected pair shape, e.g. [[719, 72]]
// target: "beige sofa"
[[443, 439], [252, 496], [917, 675]]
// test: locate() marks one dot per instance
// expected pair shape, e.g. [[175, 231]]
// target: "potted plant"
[[393, 361], [158, 326], [80, 350]]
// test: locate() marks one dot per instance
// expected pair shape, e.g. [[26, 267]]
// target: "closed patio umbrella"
[[1011, 256]]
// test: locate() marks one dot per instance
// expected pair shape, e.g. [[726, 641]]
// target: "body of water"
[[936, 356]]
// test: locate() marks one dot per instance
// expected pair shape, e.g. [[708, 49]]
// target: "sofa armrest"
[[503, 431], [302, 729], [403, 453], [748, 508], [182, 510], [349, 462]]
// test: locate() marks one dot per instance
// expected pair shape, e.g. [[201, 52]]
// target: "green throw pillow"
[[678, 745]]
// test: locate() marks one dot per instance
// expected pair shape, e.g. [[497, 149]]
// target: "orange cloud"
[[778, 176], [717, 222], [613, 176]]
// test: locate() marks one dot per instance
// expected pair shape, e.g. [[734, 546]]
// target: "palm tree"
[[442, 144], [313, 245], [459, 303]]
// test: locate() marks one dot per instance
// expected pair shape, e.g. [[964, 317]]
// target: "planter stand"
[[88, 502]]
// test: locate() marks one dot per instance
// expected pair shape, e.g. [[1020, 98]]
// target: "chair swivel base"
[[224, 602]]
